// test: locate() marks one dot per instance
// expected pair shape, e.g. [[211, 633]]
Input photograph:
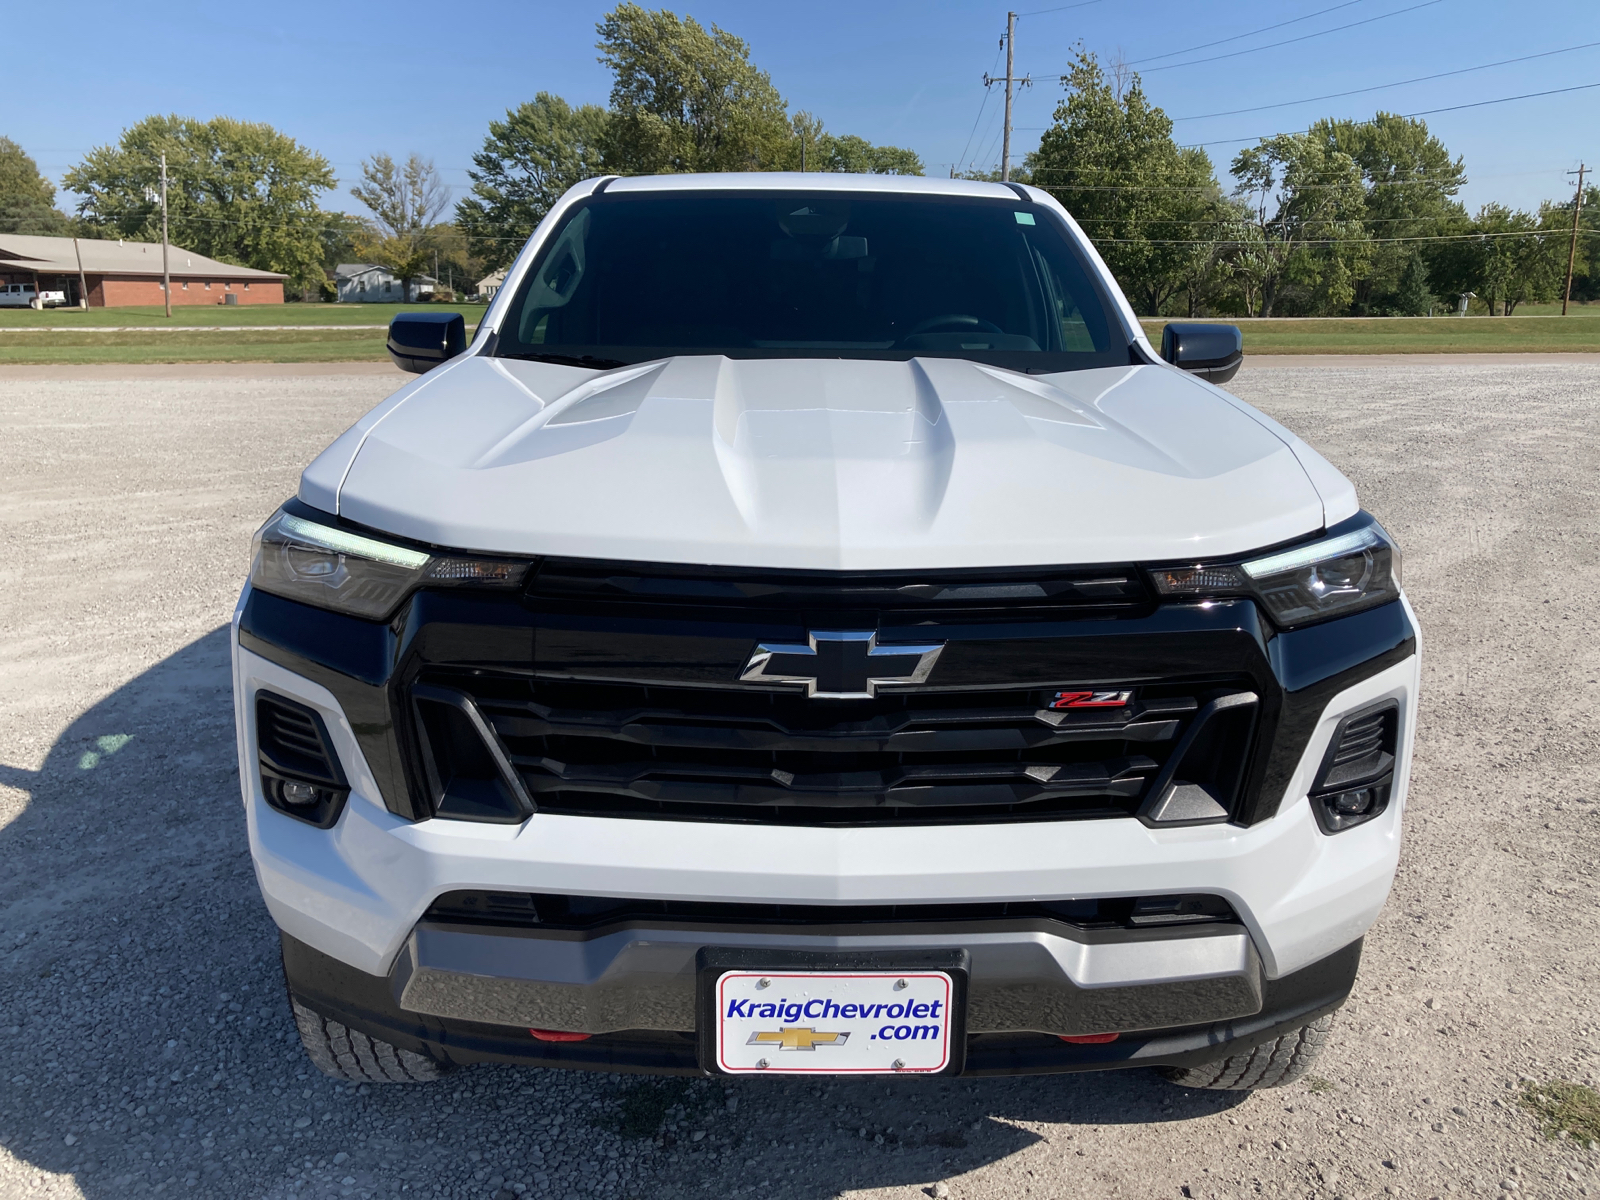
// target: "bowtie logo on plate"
[[791, 1037], [840, 664]]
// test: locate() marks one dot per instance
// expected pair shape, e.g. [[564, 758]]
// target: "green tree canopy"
[[238, 191], [812, 148], [406, 201], [27, 198], [541, 149], [1309, 202], [685, 98], [1151, 208], [1411, 181]]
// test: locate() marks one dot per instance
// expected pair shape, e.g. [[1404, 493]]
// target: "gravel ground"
[[146, 1048]]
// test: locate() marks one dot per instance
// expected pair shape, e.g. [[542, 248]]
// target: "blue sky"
[[351, 79]]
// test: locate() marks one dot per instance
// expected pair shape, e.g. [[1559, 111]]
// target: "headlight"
[[350, 573], [1357, 566]]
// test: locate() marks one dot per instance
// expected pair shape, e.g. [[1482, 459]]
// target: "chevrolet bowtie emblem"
[[791, 1037], [840, 665]]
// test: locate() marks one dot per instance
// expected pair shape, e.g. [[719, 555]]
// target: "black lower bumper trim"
[[365, 1002]]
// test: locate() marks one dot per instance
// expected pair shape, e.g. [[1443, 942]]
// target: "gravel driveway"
[[146, 1048]]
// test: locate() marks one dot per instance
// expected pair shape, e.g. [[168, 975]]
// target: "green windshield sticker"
[[1023, 218]]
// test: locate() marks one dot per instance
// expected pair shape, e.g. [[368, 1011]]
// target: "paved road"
[[144, 1043]]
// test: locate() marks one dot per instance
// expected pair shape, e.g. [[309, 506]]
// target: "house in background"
[[122, 273], [368, 283], [490, 284]]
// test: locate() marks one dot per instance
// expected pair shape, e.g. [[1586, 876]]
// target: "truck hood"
[[824, 463]]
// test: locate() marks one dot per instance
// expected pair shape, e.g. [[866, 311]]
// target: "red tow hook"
[[561, 1035], [1088, 1039]]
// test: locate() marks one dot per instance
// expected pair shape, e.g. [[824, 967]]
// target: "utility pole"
[[1009, 80], [83, 284], [166, 275], [1572, 250]]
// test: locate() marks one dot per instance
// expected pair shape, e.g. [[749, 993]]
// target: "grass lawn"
[[267, 345], [67, 335], [242, 316], [1533, 334]]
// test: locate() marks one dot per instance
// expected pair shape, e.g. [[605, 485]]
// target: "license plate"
[[834, 1022]]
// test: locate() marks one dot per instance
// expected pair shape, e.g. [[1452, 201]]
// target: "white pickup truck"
[[809, 629], [23, 295]]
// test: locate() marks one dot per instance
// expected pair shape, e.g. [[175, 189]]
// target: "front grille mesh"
[[535, 910], [629, 750]]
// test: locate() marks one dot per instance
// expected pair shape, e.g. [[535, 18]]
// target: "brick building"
[[126, 273]]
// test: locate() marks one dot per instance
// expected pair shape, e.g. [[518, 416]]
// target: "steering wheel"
[[955, 323]]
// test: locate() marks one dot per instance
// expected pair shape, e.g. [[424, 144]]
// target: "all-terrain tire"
[[1271, 1064], [343, 1053]]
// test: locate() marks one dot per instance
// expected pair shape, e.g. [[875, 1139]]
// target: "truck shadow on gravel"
[[146, 1046]]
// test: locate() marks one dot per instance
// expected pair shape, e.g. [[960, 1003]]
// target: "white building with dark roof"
[[368, 283]]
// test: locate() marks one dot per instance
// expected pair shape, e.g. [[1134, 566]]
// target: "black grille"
[[526, 910], [1012, 593], [629, 750]]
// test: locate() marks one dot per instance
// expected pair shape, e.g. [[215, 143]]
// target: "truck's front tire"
[[1271, 1064], [343, 1053]]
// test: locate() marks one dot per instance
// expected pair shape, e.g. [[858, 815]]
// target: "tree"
[[339, 235], [454, 262], [27, 198], [238, 191], [846, 154], [684, 98], [405, 202], [1151, 208], [540, 150], [1411, 296], [856, 155], [1309, 202], [1411, 181]]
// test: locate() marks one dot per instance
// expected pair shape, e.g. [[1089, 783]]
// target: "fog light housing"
[[299, 768], [1357, 773]]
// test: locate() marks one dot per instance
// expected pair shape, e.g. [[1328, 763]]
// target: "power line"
[[1378, 87], [981, 106], [1241, 36], [1063, 8], [1443, 237], [1195, 62], [1427, 112], [1415, 181]]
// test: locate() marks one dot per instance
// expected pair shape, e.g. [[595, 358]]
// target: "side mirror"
[[1213, 352], [420, 341]]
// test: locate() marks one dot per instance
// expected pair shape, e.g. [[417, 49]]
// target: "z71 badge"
[[1088, 699]]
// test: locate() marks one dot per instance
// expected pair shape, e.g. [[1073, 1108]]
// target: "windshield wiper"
[[569, 360]]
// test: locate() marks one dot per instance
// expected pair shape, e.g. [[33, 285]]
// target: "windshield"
[[628, 278]]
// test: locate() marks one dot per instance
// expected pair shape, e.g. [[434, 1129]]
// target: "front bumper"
[[352, 900], [1033, 975], [368, 1003]]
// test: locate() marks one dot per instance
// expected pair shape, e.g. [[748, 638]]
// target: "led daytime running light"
[[351, 543], [1305, 556]]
